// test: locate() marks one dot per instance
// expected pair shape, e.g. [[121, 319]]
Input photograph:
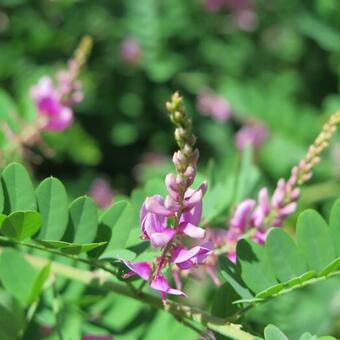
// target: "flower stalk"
[[256, 218], [172, 223]]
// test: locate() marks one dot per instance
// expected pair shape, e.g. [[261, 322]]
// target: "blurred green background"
[[282, 68], [277, 62]]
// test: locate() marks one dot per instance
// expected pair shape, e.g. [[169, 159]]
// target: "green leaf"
[[53, 207], [284, 256], [333, 266], [314, 240], [17, 275], [255, 268], [334, 223], [308, 336], [7, 107], [12, 317], [270, 291], [2, 199], [83, 220], [21, 225], [223, 301], [70, 248], [18, 189], [2, 219], [119, 220], [273, 333], [300, 279], [231, 274], [118, 254], [39, 282]]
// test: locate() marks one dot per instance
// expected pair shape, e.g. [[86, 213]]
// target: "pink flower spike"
[[153, 205], [192, 231], [142, 269]]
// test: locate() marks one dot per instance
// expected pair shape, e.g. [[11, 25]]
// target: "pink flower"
[[154, 223], [142, 269], [187, 258], [161, 284], [57, 116], [254, 134], [101, 193], [245, 19], [215, 106], [130, 51], [241, 217]]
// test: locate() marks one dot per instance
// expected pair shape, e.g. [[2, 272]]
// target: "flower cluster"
[[254, 219], [54, 102], [171, 223], [210, 104], [254, 133]]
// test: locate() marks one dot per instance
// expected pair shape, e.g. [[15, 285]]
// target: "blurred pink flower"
[[54, 102], [101, 193], [210, 104], [56, 116], [130, 51], [213, 5], [254, 134], [245, 19]]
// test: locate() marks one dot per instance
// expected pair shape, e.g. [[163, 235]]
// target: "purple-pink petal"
[[161, 239], [242, 214], [142, 269], [192, 231], [153, 205], [161, 284], [288, 209], [264, 201]]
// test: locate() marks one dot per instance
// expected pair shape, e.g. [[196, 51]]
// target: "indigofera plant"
[[255, 219], [166, 222], [102, 250]]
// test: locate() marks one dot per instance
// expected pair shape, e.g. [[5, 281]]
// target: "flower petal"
[[161, 239], [142, 269], [160, 283], [153, 205], [192, 231], [182, 254]]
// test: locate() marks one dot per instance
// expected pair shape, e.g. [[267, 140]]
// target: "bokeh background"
[[238, 63]]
